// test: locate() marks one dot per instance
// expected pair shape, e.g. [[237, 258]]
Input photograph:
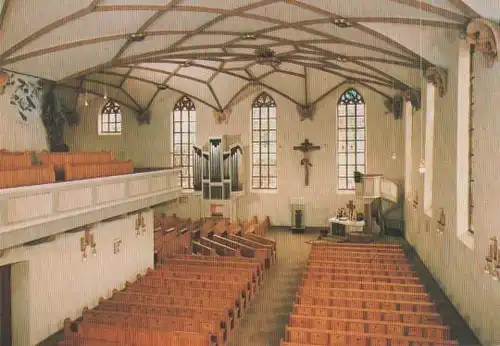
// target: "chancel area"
[[249, 173]]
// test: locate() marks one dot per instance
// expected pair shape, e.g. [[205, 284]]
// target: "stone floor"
[[264, 321]]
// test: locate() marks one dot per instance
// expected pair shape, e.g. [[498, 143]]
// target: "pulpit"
[[217, 175]]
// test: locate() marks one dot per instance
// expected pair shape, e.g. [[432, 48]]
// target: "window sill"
[[346, 192], [264, 191], [467, 239], [109, 134]]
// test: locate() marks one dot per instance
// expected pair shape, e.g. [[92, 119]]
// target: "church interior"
[[249, 172]]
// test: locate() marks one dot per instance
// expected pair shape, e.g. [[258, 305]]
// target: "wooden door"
[[5, 307]]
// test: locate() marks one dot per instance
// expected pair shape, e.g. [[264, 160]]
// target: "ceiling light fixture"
[[341, 59], [137, 37], [267, 56], [249, 37], [187, 63], [342, 23], [162, 86]]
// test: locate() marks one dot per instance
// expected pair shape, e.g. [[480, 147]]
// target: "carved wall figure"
[[485, 36], [439, 78]]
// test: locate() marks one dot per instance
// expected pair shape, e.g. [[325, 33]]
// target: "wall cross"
[[306, 147]]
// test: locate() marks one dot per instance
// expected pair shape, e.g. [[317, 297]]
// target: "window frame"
[[184, 104], [265, 102], [107, 109], [344, 102]]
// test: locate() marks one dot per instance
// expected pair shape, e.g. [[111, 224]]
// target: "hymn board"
[[216, 170]]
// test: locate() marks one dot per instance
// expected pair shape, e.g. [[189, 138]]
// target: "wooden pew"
[[356, 245], [355, 255], [342, 338], [430, 331], [220, 249], [34, 175], [58, 160], [191, 289], [368, 314], [350, 277], [13, 160], [202, 249], [261, 240], [132, 336], [96, 170], [362, 294], [362, 260], [245, 250], [357, 248], [220, 314], [171, 242], [346, 263], [366, 303], [181, 279], [145, 298], [236, 289], [361, 285], [245, 275], [266, 251], [222, 262], [356, 270], [157, 322]]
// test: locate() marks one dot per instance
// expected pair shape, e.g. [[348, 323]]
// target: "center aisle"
[[264, 322]]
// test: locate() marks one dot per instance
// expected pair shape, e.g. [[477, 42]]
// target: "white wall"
[[15, 133], [458, 268], [51, 282], [146, 145], [150, 145]]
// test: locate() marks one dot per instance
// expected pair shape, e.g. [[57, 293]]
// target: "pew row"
[[34, 175], [95, 170]]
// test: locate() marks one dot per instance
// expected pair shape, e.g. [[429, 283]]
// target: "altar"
[[343, 226]]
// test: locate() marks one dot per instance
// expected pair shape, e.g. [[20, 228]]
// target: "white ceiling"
[[86, 44]]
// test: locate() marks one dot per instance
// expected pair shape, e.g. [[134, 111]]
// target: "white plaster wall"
[[51, 282], [456, 267], [150, 145], [16, 134], [145, 145]]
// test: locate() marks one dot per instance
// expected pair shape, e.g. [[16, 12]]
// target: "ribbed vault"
[[132, 49]]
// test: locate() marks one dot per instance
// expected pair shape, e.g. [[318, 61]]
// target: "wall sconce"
[[86, 241], [492, 266], [441, 224], [140, 224], [415, 201]]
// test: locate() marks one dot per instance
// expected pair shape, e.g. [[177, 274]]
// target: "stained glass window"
[[264, 175], [110, 119], [184, 135], [350, 138]]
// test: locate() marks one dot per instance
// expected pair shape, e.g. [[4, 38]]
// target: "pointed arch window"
[[264, 162], [184, 136], [350, 138], [110, 119]]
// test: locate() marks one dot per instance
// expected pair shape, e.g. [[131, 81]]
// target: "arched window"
[[264, 175], [351, 138], [110, 119], [184, 134]]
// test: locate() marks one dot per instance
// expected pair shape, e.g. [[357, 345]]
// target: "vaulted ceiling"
[[210, 49]]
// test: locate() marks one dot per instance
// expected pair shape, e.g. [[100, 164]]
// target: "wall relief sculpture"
[[485, 36]]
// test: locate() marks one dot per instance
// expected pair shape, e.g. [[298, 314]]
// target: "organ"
[[217, 174]]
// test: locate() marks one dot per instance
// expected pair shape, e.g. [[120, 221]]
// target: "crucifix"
[[306, 147], [351, 207]]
